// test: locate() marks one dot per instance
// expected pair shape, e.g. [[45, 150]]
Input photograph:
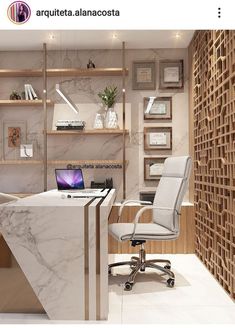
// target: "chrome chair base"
[[140, 264]]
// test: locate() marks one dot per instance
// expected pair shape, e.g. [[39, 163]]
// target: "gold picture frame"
[[158, 108], [144, 75], [157, 138], [153, 167], [171, 74]]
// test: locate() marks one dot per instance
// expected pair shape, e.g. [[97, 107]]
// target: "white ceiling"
[[98, 39]]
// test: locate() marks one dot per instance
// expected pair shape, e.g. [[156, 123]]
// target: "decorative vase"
[[99, 121], [111, 119]]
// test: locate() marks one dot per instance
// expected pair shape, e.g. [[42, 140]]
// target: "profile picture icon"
[[19, 12]]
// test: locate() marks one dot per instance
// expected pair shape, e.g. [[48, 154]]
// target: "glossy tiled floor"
[[196, 299]]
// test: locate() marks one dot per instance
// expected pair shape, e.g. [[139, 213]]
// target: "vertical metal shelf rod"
[[124, 120], [45, 114]]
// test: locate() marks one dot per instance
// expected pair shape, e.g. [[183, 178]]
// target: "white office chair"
[[165, 219]]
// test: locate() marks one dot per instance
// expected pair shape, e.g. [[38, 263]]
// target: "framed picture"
[[153, 167], [158, 138], [157, 108], [171, 74], [144, 75], [14, 134]]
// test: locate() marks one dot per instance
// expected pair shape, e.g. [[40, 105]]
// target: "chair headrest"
[[177, 167]]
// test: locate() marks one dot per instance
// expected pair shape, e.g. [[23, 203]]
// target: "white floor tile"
[[195, 290], [197, 298], [133, 314]]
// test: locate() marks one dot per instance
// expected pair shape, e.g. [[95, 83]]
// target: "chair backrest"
[[171, 190]]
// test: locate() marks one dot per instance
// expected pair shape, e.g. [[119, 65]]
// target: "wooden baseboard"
[[185, 244]]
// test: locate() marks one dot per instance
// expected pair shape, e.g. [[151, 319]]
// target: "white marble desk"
[[61, 246]]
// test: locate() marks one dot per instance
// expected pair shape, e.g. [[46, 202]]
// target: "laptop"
[[71, 181]]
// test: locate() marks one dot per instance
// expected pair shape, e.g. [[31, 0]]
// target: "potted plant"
[[108, 98]]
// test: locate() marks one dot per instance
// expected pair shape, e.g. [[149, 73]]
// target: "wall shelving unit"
[[78, 72], [45, 103]]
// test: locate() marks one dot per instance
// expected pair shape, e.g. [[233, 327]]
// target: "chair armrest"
[[142, 210], [142, 202]]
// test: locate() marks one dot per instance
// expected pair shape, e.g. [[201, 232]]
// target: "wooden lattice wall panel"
[[213, 88]]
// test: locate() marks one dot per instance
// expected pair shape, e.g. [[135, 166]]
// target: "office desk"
[[61, 246]]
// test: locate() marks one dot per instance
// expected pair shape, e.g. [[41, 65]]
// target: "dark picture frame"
[[158, 108], [171, 74], [144, 75], [157, 138], [153, 167]]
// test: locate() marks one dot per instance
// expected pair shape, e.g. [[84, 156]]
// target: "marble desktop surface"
[[46, 235]]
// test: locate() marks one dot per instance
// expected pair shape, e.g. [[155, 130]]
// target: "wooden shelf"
[[20, 72], [56, 72], [87, 132], [20, 162], [85, 162], [53, 72], [23, 103]]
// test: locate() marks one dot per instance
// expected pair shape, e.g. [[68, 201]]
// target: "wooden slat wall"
[[213, 81], [184, 244]]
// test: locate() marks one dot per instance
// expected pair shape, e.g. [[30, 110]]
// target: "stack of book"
[[70, 125], [30, 94]]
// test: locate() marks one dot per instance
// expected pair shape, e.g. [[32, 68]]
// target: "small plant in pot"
[[108, 98]]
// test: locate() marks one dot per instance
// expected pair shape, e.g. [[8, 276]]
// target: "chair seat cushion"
[[144, 231]]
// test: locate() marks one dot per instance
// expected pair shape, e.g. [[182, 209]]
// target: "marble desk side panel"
[[48, 243]]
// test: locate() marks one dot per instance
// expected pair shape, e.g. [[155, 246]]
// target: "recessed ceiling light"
[[177, 35], [51, 37], [114, 36]]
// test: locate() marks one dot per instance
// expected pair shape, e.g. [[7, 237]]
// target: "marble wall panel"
[[84, 91]]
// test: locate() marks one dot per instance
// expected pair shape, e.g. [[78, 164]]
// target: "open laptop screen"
[[69, 179]]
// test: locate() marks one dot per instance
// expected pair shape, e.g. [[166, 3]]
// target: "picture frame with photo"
[[157, 108], [157, 138], [171, 74], [144, 75], [153, 167], [13, 135]]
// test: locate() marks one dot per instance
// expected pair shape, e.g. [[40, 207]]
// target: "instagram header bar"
[[103, 14]]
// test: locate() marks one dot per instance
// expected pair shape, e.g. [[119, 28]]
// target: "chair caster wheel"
[[128, 285], [170, 282], [142, 269], [167, 266]]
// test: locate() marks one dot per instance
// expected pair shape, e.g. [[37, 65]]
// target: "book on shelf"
[[33, 92], [30, 94], [26, 92]]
